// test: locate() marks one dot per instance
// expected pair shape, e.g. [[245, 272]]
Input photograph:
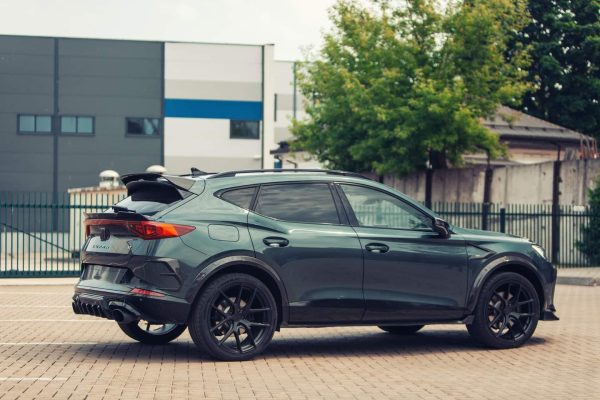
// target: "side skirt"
[[464, 321]]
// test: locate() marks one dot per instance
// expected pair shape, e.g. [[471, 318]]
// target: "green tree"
[[397, 84], [565, 74], [590, 243]]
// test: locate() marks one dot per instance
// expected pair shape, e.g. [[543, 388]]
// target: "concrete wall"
[[519, 184]]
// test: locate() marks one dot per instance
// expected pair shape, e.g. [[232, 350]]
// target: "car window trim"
[[352, 216], [341, 220]]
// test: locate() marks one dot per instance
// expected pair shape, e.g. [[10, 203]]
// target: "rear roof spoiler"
[[180, 182]]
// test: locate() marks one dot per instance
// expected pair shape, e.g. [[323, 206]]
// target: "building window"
[[143, 126], [35, 123], [77, 125], [244, 129]]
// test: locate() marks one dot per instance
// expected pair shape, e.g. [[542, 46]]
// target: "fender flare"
[[492, 266], [216, 266]]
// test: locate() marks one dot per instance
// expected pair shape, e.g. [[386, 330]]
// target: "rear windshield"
[[149, 198]]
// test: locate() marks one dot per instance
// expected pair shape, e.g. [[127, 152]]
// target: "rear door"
[[301, 230], [411, 273]]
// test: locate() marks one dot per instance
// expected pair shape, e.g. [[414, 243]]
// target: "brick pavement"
[[48, 352]]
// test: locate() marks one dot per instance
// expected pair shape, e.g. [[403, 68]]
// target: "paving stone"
[[46, 352]]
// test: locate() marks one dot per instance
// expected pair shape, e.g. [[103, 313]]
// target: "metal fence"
[[557, 229], [41, 234]]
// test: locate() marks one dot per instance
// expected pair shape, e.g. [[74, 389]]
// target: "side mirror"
[[441, 227]]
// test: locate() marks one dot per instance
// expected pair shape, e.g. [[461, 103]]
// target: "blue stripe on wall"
[[221, 109]]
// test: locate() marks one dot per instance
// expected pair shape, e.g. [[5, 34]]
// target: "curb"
[[38, 282], [577, 281]]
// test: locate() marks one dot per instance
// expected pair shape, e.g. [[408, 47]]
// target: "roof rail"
[[229, 174]]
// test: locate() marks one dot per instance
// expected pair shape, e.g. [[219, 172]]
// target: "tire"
[[507, 312], [402, 329], [142, 332], [234, 318]]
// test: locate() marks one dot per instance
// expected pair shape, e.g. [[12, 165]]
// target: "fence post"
[[487, 197], [503, 220], [428, 187], [485, 216], [556, 212]]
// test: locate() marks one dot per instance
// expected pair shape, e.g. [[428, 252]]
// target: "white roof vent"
[[156, 169], [109, 179]]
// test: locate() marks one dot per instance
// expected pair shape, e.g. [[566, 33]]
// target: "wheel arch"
[[250, 266], [516, 264]]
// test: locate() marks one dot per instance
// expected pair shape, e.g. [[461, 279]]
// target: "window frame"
[[77, 133], [231, 121], [354, 220], [35, 132], [137, 135], [343, 219]]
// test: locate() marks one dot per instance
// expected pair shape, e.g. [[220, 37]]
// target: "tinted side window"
[[302, 202], [377, 209], [240, 197]]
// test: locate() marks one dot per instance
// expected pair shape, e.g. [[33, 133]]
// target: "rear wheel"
[[507, 311], [234, 318], [402, 329], [148, 333]]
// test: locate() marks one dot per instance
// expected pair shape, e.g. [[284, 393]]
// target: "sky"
[[292, 25]]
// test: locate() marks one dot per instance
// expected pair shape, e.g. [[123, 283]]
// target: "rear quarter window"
[[241, 197]]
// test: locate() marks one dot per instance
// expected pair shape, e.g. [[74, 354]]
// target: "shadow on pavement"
[[348, 345]]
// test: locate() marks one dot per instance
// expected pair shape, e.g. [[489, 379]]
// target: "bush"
[[590, 243]]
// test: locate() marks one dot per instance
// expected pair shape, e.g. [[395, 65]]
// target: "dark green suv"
[[235, 256]]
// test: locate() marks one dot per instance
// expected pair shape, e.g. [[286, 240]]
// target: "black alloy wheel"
[[507, 312], [234, 318], [152, 333]]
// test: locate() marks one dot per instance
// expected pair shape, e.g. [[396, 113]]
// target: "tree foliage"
[[590, 243], [397, 84], [565, 74]]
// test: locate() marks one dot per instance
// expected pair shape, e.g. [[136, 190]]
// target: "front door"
[[299, 229], [411, 273]]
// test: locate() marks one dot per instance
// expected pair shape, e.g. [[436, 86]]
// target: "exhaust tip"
[[118, 315]]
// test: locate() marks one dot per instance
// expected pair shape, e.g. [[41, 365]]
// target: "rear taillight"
[[158, 230], [148, 230]]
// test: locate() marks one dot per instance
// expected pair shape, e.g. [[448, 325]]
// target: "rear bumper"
[[117, 304]]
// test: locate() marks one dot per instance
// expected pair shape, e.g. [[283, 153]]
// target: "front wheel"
[[401, 329], [148, 333], [234, 318], [507, 311]]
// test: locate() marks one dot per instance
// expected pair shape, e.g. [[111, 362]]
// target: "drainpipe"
[[556, 207]]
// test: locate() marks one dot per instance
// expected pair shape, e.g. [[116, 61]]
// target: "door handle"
[[276, 241], [377, 248]]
